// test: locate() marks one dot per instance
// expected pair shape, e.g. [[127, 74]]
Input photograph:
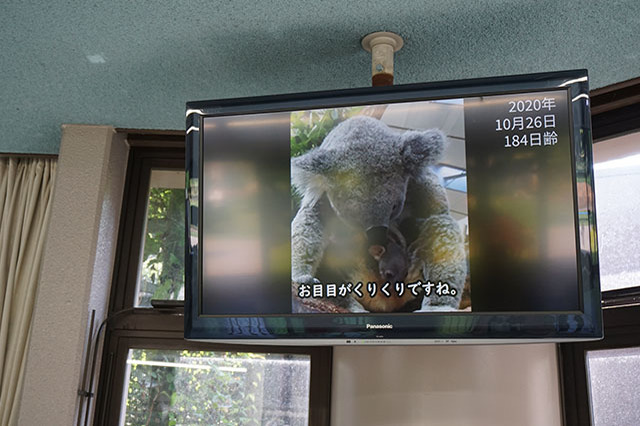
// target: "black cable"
[[88, 393]]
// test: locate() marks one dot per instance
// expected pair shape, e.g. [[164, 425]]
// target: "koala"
[[374, 179], [393, 259], [386, 264]]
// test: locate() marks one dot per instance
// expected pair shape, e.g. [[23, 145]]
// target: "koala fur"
[[372, 178]]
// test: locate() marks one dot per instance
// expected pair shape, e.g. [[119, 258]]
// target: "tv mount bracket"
[[382, 45]]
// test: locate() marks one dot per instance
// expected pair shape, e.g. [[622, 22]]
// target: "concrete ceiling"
[[135, 63]]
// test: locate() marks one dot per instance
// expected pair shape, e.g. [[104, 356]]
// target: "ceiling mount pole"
[[382, 45]]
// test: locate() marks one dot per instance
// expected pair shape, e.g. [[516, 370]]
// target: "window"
[[149, 373], [617, 180], [600, 379], [213, 387], [614, 379], [162, 263]]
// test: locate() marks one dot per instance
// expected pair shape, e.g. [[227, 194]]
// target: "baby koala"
[[393, 265], [387, 262], [393, 258]]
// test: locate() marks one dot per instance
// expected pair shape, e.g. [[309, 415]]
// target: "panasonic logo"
[[379, 326]]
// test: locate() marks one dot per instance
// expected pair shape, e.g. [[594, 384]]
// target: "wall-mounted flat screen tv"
[[450, 212]]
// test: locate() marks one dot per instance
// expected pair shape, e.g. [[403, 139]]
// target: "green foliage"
[[218, 388], [309, 128], [162, 274]]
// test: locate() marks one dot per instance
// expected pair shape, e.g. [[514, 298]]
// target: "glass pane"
[[166, 387], [614, 380], [162, 264], [617, 182]]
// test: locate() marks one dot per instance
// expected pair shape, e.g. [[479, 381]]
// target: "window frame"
[[615, 111], [622, 330], [141, 161], [131, 327]]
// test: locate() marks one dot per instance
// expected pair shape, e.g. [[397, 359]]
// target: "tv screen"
[[452, 212]]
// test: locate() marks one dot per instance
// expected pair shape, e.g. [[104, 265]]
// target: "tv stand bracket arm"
[[382, 45]]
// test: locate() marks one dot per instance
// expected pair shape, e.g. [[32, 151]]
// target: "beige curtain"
[[26, 185]]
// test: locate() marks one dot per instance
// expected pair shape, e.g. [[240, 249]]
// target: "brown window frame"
[[130, 327], [615, 111]]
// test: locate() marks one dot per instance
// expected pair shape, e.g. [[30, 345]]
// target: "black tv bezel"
[[408, 328]]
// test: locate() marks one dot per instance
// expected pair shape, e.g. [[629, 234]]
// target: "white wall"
[[76, 270], [446, 385]]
